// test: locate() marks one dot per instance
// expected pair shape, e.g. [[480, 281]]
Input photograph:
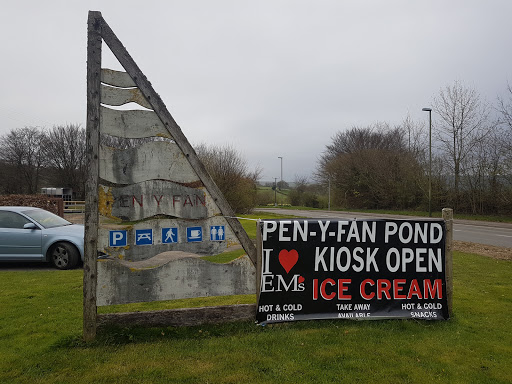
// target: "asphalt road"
[[490, 233]]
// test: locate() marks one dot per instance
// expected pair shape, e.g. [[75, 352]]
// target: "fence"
[[74, 206]]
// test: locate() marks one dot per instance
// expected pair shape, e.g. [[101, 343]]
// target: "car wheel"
[[63, 256]]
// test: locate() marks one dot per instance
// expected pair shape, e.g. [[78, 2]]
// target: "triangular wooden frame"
[[98, 31]]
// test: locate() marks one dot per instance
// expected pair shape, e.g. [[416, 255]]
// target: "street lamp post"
[[429, 110], [281, 182], [275, 191], [280, 157]]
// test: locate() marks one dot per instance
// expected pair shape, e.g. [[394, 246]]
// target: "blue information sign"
[[194, 234], [117, 239], [143, 236], [169, 235], [217, 233]]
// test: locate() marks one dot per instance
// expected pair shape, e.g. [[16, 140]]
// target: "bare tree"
[[463, 123], [372, 167], [417, 136], [377, 136], [487, 187], [64, 150], [229, 170], [505, 110], [21, 150], [505, 107]]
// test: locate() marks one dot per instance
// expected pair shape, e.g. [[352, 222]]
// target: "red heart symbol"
[[288, 259], [301, 279]]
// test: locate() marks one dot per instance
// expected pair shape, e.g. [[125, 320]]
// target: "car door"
[[18, 243]]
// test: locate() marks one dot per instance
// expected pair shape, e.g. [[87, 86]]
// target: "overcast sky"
[[270, 77]]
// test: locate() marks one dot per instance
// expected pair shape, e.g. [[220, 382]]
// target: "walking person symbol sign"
[[169, 235]]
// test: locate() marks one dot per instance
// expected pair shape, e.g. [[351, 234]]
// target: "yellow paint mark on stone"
[[106, 202]]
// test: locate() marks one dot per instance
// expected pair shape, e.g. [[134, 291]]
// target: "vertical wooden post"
[[448, 267], [60, 207], [94, 41], [259, 256]]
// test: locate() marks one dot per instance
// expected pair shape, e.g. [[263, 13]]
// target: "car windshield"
[[46, 219]]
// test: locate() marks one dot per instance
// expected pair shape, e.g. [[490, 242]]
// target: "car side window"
[[12, 220]]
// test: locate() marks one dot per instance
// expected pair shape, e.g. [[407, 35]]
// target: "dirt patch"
[[501, 253], [75, 218]]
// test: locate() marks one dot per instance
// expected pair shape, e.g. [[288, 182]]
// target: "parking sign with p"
[[117, 239]]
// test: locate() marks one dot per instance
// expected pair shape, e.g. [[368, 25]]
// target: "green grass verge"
[[249, 221], [41, 321], [225, 257]]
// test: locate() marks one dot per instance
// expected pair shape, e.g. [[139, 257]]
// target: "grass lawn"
[[41, 325]]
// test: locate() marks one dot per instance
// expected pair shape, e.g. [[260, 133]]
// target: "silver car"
[[33, 234]]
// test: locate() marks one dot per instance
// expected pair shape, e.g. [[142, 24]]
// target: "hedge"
[[52, 204]]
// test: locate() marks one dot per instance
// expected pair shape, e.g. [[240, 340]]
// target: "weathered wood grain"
[[134, 124], [178, 279], [120, 96], [116, 78], [181, 317], [448, 218], [94, 41], [159, 229], [153, 160], [150, 198], [259, 261]]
